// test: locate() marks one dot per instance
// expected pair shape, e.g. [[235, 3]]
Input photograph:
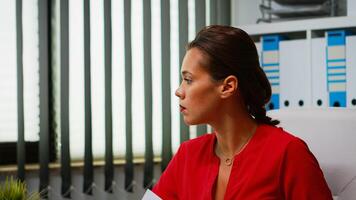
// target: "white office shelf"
[[300, 25], [302, 59]]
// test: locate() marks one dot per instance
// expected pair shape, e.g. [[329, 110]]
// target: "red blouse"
[[274, 165]]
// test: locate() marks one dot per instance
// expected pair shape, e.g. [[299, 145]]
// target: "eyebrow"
[[186, 73]]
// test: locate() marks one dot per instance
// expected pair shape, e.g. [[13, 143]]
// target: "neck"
[[233, 130]]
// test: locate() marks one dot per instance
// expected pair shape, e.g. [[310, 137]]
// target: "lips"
[[182, 108]]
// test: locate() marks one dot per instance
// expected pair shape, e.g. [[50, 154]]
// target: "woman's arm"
[[168, 184], [301, 176]]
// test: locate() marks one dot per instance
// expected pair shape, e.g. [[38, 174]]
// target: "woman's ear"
[[229, 86]]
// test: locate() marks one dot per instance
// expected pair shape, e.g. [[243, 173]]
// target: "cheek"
[[201, 112], [204, 102]]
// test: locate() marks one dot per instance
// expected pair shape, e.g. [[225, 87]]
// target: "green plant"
[[13, 189]]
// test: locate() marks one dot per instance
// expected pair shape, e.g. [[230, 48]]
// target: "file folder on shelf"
[[351, 71], [336, 67], [259, 51], [340, 68], [270, 64], [295, 74], [319, 85]]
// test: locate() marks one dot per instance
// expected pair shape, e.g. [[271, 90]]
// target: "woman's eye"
[[189, 81]]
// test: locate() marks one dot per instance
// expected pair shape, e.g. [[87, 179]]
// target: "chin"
[[189, 121]]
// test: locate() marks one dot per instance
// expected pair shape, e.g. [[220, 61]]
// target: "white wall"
[[351, 7], [245, 12]]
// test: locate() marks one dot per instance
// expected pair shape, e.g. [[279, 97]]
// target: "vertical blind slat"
[[64, 89], [20, 104], [199, 24], [213, 12], [166, 85], [202, 129], [183, 40], [224, 12], [148, 168], [129, 168], [199, 15], [88, 151], [109, 166], [43, 18]]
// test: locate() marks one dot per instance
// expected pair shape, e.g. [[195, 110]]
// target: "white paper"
[[149, 195]]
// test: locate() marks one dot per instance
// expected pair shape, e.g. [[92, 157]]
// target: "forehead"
[[194, 61]]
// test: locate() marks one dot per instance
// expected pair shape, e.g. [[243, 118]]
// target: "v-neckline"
[[216, 162]]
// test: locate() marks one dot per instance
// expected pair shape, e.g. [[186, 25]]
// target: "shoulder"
[[276, 142], [300, 173], [279, 136], [291, 148]]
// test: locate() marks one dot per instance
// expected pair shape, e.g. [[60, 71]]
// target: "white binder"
[[320, 96], [259, 50], [295, 74], [351, 71]]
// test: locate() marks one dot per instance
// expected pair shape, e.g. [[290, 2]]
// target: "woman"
[[246, 157]]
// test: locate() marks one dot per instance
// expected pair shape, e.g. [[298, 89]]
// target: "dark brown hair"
[[231, 51]]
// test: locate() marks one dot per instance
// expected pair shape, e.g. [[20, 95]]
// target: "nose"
[[179, 92]]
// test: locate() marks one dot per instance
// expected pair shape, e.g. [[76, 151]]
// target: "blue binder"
[[336, 67], [270, 65]]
